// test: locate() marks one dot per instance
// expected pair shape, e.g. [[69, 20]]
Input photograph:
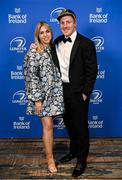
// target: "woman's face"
[[45, 35]]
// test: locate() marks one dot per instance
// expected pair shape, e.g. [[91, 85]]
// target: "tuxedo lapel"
[[55, 58], [74, 48], [54, 54]]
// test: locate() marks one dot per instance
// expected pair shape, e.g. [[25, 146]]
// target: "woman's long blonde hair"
[[36, 35]]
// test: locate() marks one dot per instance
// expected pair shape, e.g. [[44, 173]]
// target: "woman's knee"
[[47, 124]]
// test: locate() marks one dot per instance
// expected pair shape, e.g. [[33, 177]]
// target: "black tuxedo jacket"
[[83, 64]]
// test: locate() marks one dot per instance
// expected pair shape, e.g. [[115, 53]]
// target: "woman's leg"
[[47, 123]]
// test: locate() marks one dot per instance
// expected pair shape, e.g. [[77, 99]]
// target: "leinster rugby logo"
[[59, 124], [99, 41], [54, 14], [18, 44], [96, 97], [19, 98]]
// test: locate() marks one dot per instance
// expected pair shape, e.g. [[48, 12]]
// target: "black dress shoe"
[[67, 158], [79, 169]]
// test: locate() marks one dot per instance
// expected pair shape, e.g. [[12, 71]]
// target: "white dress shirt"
[[63, 52]]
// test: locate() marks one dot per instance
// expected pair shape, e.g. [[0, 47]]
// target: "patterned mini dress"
[[43, 82]]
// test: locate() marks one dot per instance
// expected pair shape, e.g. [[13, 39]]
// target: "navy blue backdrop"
[[101, 21]]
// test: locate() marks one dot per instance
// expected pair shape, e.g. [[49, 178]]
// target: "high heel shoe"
[[52, 166]]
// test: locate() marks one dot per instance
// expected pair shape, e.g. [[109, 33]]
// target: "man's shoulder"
[[84, 39], [58, 39]]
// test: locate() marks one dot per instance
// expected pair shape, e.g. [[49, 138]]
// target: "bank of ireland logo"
[[96, 97], [54, 14], [99, 41], [18, 44], [21, 123], [19, 98], [59, 123], [21, 118]]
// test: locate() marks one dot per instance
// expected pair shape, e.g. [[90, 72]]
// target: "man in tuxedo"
[[75, 56]]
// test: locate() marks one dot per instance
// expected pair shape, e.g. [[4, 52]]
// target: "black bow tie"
[[67, 39]]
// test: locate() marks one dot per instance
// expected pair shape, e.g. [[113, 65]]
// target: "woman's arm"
[[33, 87]]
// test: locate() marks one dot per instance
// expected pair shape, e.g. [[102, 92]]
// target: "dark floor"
[[25, 159]]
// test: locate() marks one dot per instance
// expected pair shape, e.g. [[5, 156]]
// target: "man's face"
[[67, 25]]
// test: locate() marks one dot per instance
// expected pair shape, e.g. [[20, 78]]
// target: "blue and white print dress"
[[43, 82]]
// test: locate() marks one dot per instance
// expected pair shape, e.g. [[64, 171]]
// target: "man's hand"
[[84, 97]]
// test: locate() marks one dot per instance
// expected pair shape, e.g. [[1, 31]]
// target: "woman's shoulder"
[[31, 57]]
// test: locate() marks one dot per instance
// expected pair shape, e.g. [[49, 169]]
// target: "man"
[[75, 56]]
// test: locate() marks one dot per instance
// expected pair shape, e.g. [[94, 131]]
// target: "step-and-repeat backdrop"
[[101, 21]]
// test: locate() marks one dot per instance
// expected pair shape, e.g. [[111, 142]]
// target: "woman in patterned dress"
[[43, 87]]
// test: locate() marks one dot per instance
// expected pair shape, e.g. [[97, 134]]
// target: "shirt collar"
[[73, 36]]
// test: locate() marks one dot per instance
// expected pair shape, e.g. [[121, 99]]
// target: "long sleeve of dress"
[[33, 88]]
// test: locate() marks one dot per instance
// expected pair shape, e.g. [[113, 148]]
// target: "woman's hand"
[[38, 107], [33, 46]]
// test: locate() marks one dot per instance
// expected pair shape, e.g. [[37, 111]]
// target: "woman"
[[43, 87]]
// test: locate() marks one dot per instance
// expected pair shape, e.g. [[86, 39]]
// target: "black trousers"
[[76, 122]]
